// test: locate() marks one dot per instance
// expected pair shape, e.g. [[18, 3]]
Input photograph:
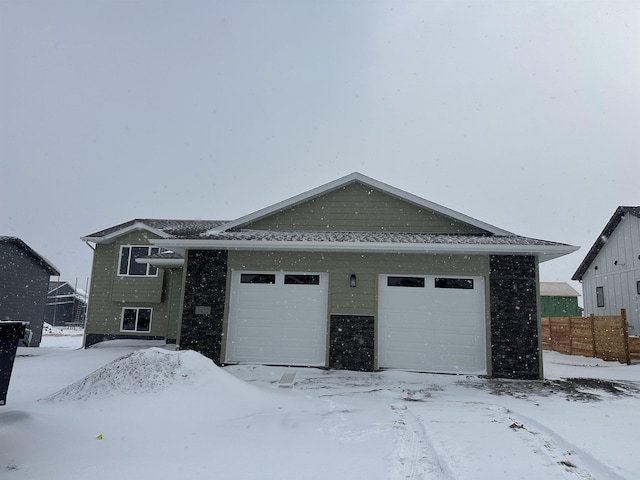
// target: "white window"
[[128, 265], [136, 320]]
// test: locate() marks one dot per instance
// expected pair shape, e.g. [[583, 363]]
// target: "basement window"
[[415, 282], [459, 283], [136, 320], [600, 297]]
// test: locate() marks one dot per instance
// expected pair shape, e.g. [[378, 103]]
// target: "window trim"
[[150, 270], [137, 318], [600, 303]]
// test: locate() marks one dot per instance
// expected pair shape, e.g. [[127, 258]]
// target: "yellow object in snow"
[[99, 437]]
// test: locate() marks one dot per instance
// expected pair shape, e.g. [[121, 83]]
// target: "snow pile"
[[147, 371]]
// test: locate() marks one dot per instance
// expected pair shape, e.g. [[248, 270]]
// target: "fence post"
[[570, 335], [625, 330], [593, 335]]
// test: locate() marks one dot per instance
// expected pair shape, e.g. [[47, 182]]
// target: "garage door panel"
[[431, 328], [277, 323]]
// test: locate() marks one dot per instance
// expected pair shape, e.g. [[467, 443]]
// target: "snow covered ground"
[[121, 410]]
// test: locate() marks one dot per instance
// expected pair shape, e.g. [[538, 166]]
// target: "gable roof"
[[609, 228], [368, 182], [162, 228], [39, 259], [179, 235]]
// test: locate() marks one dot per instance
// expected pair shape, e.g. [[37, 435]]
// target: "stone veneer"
[[515, 346], [352, 343], [204, 296]]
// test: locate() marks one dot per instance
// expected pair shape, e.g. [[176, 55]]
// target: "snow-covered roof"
[[161, 227], [179, 235], [557, 289], [611, 225], [42, 261], [372, 242]]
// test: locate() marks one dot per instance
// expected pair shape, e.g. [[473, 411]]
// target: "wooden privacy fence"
[[603, 337]]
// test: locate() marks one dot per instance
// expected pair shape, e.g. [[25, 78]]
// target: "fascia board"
[[370, 182], [544, 252], [123, 231]]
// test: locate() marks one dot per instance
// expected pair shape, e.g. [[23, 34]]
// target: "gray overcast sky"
[[525, 115]]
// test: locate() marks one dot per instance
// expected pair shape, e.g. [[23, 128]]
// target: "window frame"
[[312, 279], [406, 281], [136, 320], [150, 270], [638, 287], [454, 283], [600, 303], [258, 278]]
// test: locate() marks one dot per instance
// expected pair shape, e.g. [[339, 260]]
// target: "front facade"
[[610, 273], [352, 275], [24, 282]]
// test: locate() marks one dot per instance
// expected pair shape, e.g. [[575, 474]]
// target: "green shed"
[[559, 299]]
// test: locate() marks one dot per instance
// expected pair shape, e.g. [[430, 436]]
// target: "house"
[[24, 282], [354, 274], [559, 299], [66, 304], [610, 272]]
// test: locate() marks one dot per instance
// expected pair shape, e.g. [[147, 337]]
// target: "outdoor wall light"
[[352, 280]]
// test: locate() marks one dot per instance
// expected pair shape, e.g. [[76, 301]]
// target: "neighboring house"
[[610, 273], [354, 274], [66, 304], [559, 299], [24, 282]]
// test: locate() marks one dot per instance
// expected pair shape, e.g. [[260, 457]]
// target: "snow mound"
[[147, 371]]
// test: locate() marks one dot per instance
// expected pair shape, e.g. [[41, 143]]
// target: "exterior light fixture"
[[352, 280]]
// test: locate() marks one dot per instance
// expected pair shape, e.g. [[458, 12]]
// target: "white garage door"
[[432, 323], [277, 318]]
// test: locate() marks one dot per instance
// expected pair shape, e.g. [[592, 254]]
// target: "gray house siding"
[[64, 306], [110, 293], [23, 289], [358, 208]]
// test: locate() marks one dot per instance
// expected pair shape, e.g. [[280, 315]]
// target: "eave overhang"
[[543, 252]]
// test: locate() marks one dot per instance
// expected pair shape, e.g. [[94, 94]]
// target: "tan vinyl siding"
[[110, 293], [361, 300], [359, 208]]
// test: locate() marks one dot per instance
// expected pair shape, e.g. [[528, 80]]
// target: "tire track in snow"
[[574, 463], [414, 457]]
